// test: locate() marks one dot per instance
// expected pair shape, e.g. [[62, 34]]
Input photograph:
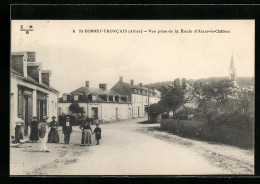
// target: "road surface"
[[127, 148]]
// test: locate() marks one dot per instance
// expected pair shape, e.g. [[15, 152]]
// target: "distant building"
[[31, 92], [140, 97], [98, 103], [232, 70]]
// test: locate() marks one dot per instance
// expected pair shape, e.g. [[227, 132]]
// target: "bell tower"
[[232, 70]]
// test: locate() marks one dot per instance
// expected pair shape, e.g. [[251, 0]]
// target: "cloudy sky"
[[147, 57]]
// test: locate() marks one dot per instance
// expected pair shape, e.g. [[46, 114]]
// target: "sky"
[[146, 58]]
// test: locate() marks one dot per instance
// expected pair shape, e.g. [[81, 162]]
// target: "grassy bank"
[[240, 135]]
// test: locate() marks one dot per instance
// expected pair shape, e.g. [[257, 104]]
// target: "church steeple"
[[232, 70]]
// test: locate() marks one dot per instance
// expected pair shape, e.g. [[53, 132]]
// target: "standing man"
[[43, 129], [54, 135], [67, 129], [34, 137]]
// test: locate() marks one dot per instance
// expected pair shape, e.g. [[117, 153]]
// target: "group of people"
[[48, 132]]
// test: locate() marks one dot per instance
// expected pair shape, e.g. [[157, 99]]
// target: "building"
[[98, 103], [140, 97], [31, 92], [232, 70]]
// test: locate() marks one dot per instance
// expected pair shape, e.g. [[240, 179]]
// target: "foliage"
[[226, 114], [172, 97], [155, 109], [183, 113], [223, 104], [75, 108]]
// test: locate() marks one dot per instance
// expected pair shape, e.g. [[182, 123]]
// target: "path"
[[124, 150]]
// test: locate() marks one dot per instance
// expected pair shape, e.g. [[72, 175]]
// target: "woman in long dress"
[[43, 128], [53, 135], [86, 133], [34, 136]]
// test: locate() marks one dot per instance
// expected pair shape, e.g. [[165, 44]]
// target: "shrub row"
[[241, 135]]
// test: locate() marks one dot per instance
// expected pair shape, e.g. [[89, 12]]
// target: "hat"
[[34, 117], [44, 117], [18, 123], [67, 117], [53, 117]]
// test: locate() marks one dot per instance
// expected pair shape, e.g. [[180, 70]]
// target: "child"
[[97, 132]]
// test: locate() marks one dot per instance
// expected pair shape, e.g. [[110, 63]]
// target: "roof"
[[127, 89], [83, 93], [33, 81], [87, 90]]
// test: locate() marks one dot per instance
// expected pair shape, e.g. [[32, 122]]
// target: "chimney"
[[121, 79], [46, 74], [183, 81], [19, 62], [34, 71], [87, 84], [177, 82], [132, 82], [103, 86], [31, 56], [141, 85]]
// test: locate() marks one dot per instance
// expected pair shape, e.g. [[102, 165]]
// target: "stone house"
[[139, 96], [97, 103], [31, 93]]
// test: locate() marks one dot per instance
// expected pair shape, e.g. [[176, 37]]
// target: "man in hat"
[[34, 136], [43, 129], [53, 135], [67, 129]]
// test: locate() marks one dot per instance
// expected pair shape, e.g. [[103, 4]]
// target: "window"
[[65, 97], [76, 97]]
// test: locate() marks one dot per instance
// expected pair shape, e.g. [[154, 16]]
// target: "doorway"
[[94, 112]]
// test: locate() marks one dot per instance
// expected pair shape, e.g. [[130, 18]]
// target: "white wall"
[[52, 100], [106, 111]]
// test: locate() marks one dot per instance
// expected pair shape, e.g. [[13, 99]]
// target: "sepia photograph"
[[132, 97]]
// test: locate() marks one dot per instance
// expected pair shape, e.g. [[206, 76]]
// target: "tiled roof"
[[31, 80], [83, 93], [86, 90]]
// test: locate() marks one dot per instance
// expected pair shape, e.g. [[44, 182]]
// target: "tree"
[[172, 97], [75, 108], [218, 91]]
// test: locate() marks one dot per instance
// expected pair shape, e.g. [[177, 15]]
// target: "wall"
[[52, 100], [106, 111]]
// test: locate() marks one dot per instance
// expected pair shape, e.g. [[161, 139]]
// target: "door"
[[26, 118], [95, 113], [42, 109]]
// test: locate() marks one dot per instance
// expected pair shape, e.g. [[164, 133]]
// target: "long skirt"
[[34, 136], [86, 136], [43, 145], [53, 136]]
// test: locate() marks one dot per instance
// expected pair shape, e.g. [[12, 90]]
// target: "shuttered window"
[[20, 102]]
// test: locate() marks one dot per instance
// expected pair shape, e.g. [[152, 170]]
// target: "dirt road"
[[127, 148]]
